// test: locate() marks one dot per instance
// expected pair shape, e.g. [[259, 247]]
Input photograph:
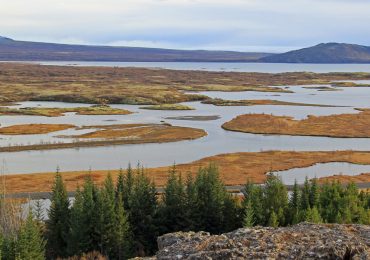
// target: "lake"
[[218, 66]]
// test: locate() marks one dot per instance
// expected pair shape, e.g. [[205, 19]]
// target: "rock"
[[302, 241]]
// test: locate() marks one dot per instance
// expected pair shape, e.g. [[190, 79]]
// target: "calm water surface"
[[217, 141], [321, 170], [219, 66]]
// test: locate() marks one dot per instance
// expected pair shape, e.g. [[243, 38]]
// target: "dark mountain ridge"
[[11, 50], [330, 53], [324, 53]]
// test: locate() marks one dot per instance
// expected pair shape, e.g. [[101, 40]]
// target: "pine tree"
[[248, 220], [275, 197], [90, 218], [172, 210], [209, 202], [30, 244], [76, 223], [128, 186], [273, 220], [257, 200], [120, 183], [38, 211], [58, 223], [142, 211], [232, 214], [108, 214], [122, 233], [314, 194], [313, 215], [190, 200], [305, 195], [294, 204]]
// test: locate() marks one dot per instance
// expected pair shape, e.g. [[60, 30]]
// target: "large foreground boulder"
[[302, 241]]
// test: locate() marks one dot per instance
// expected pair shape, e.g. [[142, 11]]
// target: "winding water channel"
[[217, 141]]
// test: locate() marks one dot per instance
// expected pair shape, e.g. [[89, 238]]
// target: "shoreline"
[[235, 168]]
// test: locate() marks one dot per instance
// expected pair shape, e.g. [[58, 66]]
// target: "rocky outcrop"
[[302, 241]]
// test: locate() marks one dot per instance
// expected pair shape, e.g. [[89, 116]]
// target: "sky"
[[242, 25]]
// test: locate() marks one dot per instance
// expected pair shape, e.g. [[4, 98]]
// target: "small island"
[[168, 107], [55, 112], [33, 129], [343, 125]]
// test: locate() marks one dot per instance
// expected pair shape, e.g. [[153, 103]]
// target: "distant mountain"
[[4, 39], [11, 50], [324, 53]]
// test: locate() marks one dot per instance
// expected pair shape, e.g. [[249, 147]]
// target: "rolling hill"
[[324, 53], [12, 50], [330, 53]]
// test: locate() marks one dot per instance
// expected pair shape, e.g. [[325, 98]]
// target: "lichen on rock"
[[302, 241]]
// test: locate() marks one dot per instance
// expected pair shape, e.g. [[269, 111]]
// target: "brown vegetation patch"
[[156, 132], [55, 112], [361, 178], [117, 135], [235, 168], [168, 107], [343, 125], [348, 84], [23, 82], [31, 129], [270, 102]]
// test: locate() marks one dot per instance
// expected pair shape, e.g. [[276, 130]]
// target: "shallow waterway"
[[216, 142], [321, 170]]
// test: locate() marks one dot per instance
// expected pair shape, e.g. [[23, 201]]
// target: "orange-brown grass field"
[[361, 178], [235, 169], [107, 135], [24, 82], [155, 132], [343, 125], [31, 129], [55, 112]]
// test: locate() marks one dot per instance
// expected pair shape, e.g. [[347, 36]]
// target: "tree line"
[[122, 218]]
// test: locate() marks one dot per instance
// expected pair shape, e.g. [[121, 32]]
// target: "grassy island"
[[342, 125]]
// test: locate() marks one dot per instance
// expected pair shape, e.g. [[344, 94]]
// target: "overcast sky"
[[247, 25]]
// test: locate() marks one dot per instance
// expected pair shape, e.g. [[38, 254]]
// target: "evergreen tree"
[[210, 200], [58, 223], [172, 209], [254, 193], [30, 244], [314, 194], [142, 211], [248, 220], [305, 195], [120, 183], [108, 214], [38, 211], [190, 200], [76, 233], [8, 249], [294, 204], [129, 183], [232, 214], [313, 215], [273, 220], [275, 199], [122, 234], [90, 218]]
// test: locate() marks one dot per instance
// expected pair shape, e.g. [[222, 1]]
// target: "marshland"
[[102, 118]]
